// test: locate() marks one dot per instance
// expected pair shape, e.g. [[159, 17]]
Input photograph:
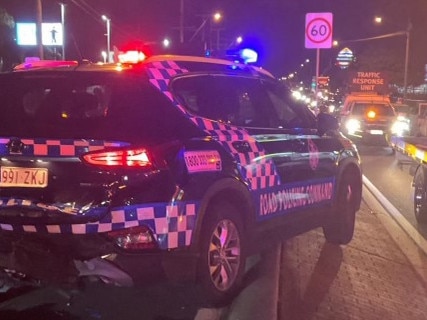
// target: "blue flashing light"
[[249, 55], [245, 55]]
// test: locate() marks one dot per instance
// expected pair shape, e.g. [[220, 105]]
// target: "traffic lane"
[[370, 278], [392, 179]]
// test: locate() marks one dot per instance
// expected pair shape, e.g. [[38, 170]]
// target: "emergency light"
[[132, 56]]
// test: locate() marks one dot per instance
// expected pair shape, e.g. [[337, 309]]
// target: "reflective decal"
[[199, 161], [292, 196], [172, 224]]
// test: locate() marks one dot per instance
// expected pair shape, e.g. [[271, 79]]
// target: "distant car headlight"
[[402, 118], [352, 125], [400, 127]]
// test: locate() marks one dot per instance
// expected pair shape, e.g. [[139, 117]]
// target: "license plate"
[[23, 177], [376, 132]]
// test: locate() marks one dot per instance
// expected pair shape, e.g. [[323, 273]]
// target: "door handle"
[[241, 146]]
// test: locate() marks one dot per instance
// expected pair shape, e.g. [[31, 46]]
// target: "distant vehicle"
[[412, 151], [408, 114], [370, 119], [415, 113], [193, 161], [422, 120]]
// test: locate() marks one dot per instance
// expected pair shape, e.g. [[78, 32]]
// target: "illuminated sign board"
[[26, 34], [368, 81], [318, 30], [52, 34]]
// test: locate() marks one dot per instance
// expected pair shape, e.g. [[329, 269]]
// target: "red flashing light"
[[131, 56], [119, 158]]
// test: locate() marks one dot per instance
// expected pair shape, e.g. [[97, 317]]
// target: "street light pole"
[[39, 29], [207, 21], [108, 22], [405, 77], [406, 33], [63, 28]]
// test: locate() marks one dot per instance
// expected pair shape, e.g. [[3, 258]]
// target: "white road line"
[[397, 216], [410, 241]]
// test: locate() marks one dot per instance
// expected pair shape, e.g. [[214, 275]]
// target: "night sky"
[[275, 27]]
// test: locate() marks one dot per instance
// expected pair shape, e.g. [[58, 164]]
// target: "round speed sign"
[[318, 30]]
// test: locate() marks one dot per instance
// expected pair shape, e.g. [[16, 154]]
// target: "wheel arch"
[[227, 190], [351, 166], [420, 166], [420, 193]]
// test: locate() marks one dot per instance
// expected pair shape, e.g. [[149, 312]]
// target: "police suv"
[[195, 162]]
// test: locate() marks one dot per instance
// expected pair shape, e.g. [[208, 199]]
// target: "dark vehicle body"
[[194, 161]]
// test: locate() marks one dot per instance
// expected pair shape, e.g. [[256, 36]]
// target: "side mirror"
[[326, 122]]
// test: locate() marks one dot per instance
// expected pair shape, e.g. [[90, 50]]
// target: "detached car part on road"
[[104, 167]]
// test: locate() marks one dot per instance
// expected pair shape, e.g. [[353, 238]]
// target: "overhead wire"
[[96, 15]]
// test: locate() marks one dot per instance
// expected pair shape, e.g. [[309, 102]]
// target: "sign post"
[[318, 35]]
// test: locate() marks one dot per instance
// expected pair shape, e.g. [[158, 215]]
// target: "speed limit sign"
[[318, 30]]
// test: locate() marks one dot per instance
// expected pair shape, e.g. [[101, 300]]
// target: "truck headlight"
[[400, 127], [352, 125]]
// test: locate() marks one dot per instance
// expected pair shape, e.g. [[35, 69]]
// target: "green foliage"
[[8, 48]]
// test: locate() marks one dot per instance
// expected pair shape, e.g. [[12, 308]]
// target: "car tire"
[[222, 255], [341, 229], [420, 195]]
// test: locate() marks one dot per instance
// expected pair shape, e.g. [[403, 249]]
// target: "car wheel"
[[222, 259], [341, 229], [420, 195]]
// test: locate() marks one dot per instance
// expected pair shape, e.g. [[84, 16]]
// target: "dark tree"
[[8, 49]]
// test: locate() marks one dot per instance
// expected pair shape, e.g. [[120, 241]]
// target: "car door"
[[284, 162], [304, 161]]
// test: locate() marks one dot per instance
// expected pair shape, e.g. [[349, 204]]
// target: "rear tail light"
[[135, 238], [119, 158]]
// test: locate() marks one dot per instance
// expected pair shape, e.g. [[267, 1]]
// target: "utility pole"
[[405, 79], [39, 28], [63, 28], [181, 22]]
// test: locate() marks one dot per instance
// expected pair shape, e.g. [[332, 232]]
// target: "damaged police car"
[[195, 161]]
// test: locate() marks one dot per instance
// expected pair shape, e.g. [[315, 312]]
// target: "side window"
[[229, 99], [241, 101], [288, 112], [286, 116]]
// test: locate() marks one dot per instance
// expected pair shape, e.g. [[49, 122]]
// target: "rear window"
[[381, 109], [82, 105]]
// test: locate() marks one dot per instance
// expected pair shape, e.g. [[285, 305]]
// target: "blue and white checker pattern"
[[172, 225], [58, 147], [258, 171]]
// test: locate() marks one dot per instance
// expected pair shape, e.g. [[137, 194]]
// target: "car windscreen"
[[81, 105], [381, 109]]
